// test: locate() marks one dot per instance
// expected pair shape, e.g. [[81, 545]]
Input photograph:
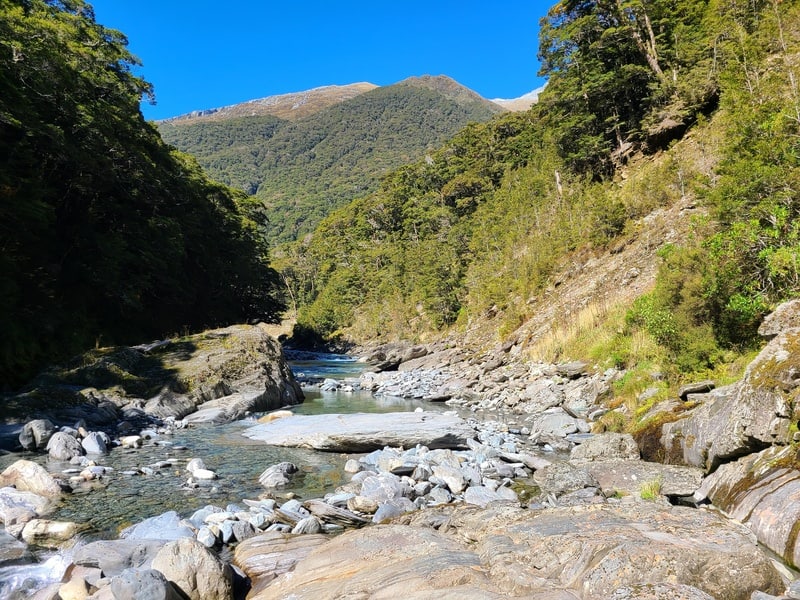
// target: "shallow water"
[[123, 498]]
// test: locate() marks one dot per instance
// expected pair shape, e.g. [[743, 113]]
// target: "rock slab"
[[362, 432]]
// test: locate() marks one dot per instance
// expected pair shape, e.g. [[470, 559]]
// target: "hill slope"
[[303, 169]]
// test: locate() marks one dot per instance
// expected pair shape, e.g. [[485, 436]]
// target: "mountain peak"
[[292, 106]]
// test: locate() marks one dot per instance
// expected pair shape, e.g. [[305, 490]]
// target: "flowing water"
[[126, 496]]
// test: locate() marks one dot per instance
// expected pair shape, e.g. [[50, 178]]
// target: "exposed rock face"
[[364, 432], [230, 371], [745, 417], [578, 553], [763, 492]]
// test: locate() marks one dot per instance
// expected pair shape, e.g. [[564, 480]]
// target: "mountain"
[[522, 103], [285, 106], [303, 168]]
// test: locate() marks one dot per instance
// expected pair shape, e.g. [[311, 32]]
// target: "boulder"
[[11, 549], [606, 446], [50, 534], [783, 318], [167, 526], [361, 432], [553, 422], [35, 434], [763, 492], [195, 570], [63, 446], [96, 442], [112, 557], [277, 475], [143, 584], [265, 556], [744, 417], [628, 477], [28, 476], [560, 478], [20, 507]]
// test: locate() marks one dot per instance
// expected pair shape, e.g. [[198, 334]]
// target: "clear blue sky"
[[204, 54]]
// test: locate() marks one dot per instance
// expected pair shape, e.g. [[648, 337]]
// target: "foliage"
[[302, 170], [108, 235]]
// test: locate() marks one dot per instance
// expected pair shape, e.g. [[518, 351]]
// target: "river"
[[126, 496]]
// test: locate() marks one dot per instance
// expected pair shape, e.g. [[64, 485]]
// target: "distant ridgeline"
[[106, 233], [304, 155]]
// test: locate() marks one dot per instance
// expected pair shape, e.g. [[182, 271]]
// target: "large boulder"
[[361, 432], [113, 557], [28, 476], [263, 557], [18, 506], [744, 417], [195, 570], [143, 584], [35, 434], [763, 492], [606, 446], [64, 446], [50, 534]]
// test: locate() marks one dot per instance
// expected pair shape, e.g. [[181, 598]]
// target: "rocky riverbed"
[[513, 492]]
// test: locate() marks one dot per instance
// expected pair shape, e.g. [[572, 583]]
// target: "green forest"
[[108, 235], [484, 223], [302, 170]]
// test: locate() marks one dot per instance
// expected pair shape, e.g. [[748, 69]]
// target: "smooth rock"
[[50, 534], [143, 584], [96, 442], [114, 556], [20, 507], [365, 432], [35, 434], [167, 526], [195, 570], [560, 478], [28, 476], [628, 476], [606, 446], [63, 446], [278, 475]]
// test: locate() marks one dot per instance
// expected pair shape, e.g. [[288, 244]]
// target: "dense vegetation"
[[480, 226], [107, 234], [302, 170]]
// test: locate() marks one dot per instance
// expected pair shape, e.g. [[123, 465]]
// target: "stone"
[[195, 570], [74, 589], [112, 557], [362, 504], [628, 476], [743, 417], [167, 526], [307, 525], [365, 432], [50, 534], [384, 487], [785, 317], [277, 475], [143, 584], [96, 442], [393, 508], [481, 496], [606, 446], [11, 549], [555, 422], [28, 476], [661, 591], [267, 555], [63, 446], [560, 478], [195, 464], [762, 491], [699, 387], [17, 507], [35, 434], [452, 477]]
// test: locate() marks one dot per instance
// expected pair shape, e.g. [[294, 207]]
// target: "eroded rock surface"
[[582, 553]]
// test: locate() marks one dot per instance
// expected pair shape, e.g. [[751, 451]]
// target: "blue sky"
[[204, 54]]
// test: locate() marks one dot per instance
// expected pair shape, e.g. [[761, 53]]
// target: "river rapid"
[[126, 496]]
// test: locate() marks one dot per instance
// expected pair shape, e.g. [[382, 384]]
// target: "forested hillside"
[[303, 169], [107, 234], [649, 104]]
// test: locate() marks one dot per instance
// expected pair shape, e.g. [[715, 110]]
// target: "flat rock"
[[628, 476], [578, 553], [362, 432], [606, 446], [114, 556]]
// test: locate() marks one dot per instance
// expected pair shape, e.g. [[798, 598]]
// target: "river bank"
[[525, 499]]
